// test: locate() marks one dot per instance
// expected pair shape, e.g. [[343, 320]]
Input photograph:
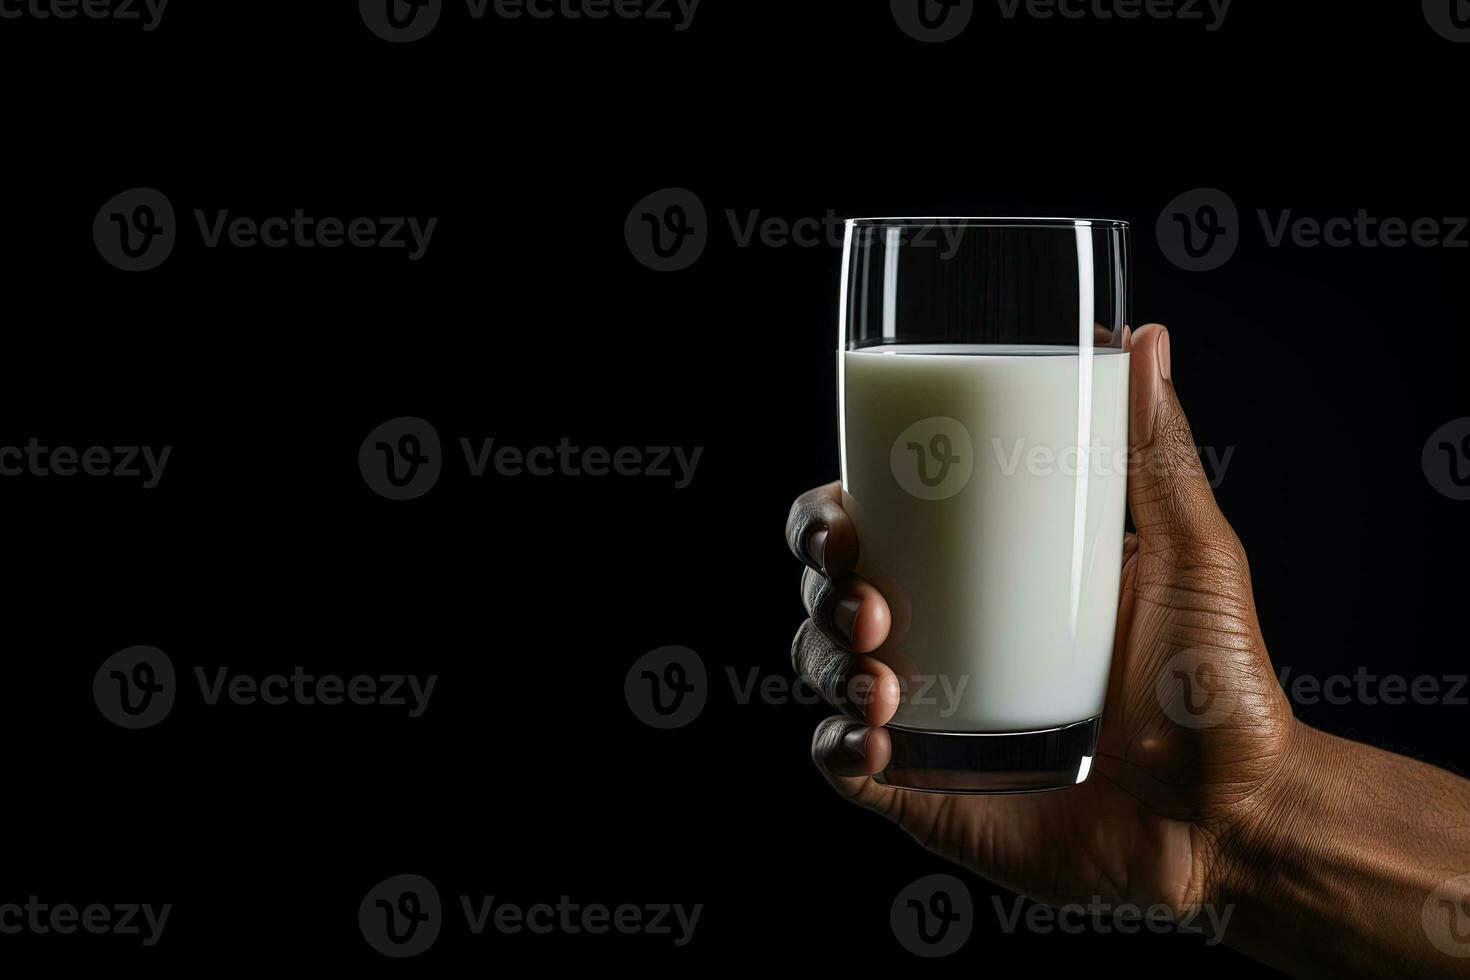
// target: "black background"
[[528, 320]]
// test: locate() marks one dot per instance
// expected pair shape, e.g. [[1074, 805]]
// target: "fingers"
[[849, 618], [847, 614], [851, 612], [852, 682], [821, 534], [1168, 491], [848, 753], [845, 749]]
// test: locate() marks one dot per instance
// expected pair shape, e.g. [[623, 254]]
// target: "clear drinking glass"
[[983, 397]]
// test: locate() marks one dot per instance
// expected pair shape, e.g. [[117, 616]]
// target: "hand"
[[1166, 804]]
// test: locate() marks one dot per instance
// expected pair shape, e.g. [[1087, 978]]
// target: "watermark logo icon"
[[401, 459], [668, 230], [400, 21], [401, 916], [1192, 692], [933, 21], [1199, 230], [1446, 459], [1449, 18], [1446, 917], [933, 458], [134, 688], [135, 230], [667, 688], [933, 916]]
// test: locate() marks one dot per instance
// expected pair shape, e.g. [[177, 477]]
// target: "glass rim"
[[985, 222]]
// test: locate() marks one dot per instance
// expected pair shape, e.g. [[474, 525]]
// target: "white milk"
[[1002, 567]]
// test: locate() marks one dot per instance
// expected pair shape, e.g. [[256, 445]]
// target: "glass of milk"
[[983, 400]]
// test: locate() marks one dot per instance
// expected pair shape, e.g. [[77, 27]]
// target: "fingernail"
[[844, 614], [1163, 349], [1127, 338], [816, 549], [855, 743]]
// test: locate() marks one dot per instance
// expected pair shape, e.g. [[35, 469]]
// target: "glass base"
[[1000, 762]]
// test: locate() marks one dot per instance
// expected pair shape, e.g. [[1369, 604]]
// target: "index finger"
[[820, 533]]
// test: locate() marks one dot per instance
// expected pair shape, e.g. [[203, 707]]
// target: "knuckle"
[[799, 523], [815, 588], [798, 647], [827, 736], [819, 661]]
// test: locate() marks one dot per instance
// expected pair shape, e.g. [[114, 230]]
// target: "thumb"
[[1168, 492]]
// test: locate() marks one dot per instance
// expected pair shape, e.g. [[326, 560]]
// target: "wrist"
[[1272, 838], [1326, 869]]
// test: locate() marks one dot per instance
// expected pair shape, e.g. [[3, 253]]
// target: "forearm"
[[1330, 870]]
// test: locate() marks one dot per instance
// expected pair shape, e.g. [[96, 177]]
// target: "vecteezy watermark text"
[[136, 688], [568, 459], [403, 458], [1201, 229], [934, 458], [669, 230], [570, 918], [124, 462], [1364, 231], [40, 918], [1194, 689], [1105, 917], [136, 230], [1366, 687], [1211, 13], [402, 21], [147, 13], [669, 688], [937, 21], [302, 230], [402, 916], [935, 915], [1099, 460]]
